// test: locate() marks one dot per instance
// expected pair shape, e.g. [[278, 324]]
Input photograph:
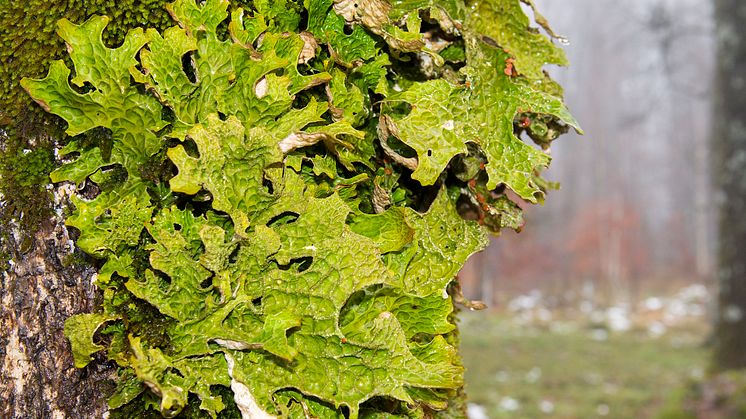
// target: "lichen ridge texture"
[[285, 194]]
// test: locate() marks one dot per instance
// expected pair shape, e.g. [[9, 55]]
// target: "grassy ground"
[[518, 371]]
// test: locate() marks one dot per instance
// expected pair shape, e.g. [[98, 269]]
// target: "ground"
[[633, 364]]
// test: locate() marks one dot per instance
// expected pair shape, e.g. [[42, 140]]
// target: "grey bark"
[[729, 150], [37, 376]]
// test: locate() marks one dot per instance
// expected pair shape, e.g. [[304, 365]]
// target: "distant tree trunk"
[[729, 152], [38, 292]]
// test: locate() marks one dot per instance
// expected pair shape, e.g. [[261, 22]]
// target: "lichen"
[[279, 210]]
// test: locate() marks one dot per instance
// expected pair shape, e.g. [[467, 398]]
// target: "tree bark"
[[37, 376], [729, 165]]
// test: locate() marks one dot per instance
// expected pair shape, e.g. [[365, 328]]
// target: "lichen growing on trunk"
[[281, 201]]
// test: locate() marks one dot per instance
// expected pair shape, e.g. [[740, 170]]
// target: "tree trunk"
[[37, 377], [729, 152]]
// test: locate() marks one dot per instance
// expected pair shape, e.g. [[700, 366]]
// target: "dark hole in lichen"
[[188, 66], [400, 148], [233, 257], [89, 190], [190, 147], [206, 284], [424, 198], [299, 264], [168, 115], [87, 87], [267, 184], [386, 404], [286, 217], [303, 22], [292, 331], [304, 98], [304, 264]]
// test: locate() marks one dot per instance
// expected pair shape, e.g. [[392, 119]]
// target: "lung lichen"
[[276, 196]]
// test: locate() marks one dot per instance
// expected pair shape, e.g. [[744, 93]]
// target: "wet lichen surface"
[[280, 196]]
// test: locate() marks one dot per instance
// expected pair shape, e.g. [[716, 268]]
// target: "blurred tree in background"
[[729, 152]]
